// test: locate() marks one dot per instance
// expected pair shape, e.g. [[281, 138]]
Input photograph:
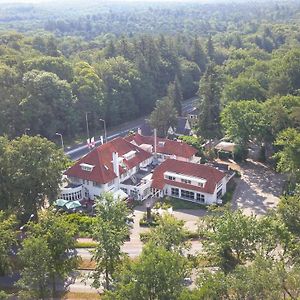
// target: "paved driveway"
[[258, 189]]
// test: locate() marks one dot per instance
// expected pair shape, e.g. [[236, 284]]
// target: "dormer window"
[[87, 167], [161, 144], [129, 155]]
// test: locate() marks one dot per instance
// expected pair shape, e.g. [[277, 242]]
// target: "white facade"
[[191, 193], [91, 189]]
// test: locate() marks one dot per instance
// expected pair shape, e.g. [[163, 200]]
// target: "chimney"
[[115, 157], [115, 162], [139, 131], [155, 141], [155, 146]]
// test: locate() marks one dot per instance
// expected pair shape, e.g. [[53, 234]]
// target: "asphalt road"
[[80, 150]]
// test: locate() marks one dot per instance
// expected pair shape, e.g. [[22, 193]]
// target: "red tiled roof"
[[212, 175], [102, 156], [169, 147]]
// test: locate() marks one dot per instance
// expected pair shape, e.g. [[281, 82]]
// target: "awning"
[[120, 194], [60, 202]]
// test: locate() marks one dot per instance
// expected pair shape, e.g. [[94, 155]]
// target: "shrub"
[[144, 237], [240, 153], [148, 223], [85, 244], [84, 223]]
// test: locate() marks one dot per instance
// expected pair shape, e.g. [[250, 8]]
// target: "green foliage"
[[36, 262], [181, 204], [84, 224], [4, 296], [85, 244], [25, 183], [243, 120], [209, 104], [169, 234], [8, 240], [54, 233], [144, 222], [289, 210], [243, 89], [233, 238], [252, 281], [157, 274], [163, 116], [175, 95], [289, 156], [110, 232], [195, 141]]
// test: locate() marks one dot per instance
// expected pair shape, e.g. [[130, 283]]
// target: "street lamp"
[[25, 131], [105, 135], [87, 124], [61, 138]]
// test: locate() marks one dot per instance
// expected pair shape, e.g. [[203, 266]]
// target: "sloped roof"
[[212, 175], [164, 146], [181, 126], [194, 111], [101, 159], [146, 129]]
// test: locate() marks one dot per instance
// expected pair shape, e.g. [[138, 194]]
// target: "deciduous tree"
[[111, 232]]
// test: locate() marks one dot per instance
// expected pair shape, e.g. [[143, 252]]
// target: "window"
[[186, 181], [200, 198], [175, 192], [219, 194], [87, 167], [187, 195], [171, 178]]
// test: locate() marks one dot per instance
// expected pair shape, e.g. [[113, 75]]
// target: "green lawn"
[[182, 204]]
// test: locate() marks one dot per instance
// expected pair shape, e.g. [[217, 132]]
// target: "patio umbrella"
[[60, 202], [73, 204]]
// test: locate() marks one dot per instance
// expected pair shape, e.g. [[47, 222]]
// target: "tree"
[[243, 89], [194, 141], [111, 231], [244, 120], [89, 89], [31, 172], [57, 65], [289, 210], [169, 234], [35, 257], [157, 274], [289, 155], [54, 233], [197, 55], [163, 116], [210, 49], [252, 281], [122, 82], [8, 240], [209, 104], [230, 239], [175, 95], [233, 238], [190, 76], [49, 103]]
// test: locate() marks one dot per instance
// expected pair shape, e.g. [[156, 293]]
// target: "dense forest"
[[59, 69]]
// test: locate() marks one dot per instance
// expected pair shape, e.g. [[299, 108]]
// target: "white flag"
[[88, 143], [93, 142]]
